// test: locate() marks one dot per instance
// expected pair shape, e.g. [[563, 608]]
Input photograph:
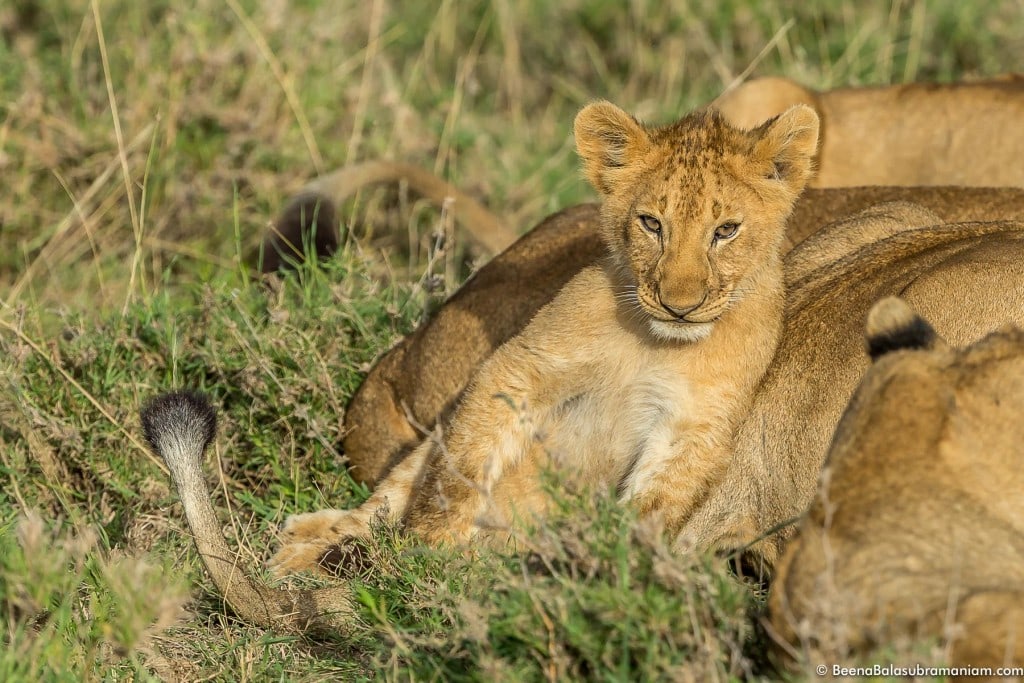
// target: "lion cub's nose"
[[680, 310]]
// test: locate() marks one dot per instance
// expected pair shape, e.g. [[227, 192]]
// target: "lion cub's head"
[[694, 212]]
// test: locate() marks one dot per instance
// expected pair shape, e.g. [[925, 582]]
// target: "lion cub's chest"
[[631, 415]]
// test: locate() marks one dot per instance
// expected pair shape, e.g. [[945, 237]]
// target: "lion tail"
[[310, 218], [179, 427]]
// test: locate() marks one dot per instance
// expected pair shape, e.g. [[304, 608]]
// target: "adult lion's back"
[[970, 279], [967, 133]]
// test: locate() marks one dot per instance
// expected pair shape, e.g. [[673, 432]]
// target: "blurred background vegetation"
[[133, 135]]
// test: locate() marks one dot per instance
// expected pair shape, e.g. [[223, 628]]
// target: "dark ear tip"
[[892, 325], [308, 220]]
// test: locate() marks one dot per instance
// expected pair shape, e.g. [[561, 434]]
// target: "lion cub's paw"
[[292, 558], [310, 541], [323, 526]]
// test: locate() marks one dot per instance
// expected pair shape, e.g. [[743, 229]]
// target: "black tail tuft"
[[308, 223], [184, 419], [893, 326]]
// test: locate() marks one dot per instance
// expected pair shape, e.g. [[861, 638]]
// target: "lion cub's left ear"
[[789, 140], [608, 141]]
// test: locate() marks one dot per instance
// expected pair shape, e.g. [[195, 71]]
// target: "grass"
[[143, 149]]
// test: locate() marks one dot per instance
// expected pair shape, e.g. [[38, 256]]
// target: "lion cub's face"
[[694, 212]]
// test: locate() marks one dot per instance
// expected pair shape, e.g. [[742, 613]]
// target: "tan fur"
[[753, 102], [946, 272], [628, 377], [418, 381], [965, 133], [916, 533]]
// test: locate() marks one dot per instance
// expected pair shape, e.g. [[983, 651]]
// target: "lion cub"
[[637, 372]]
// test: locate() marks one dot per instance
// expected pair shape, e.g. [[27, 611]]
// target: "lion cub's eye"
[[726, 231], [651, 224]]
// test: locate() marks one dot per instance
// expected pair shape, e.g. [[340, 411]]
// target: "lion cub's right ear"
[[894, 326], [608, 140]]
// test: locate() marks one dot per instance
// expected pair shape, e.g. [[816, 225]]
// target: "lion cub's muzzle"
[[683, 315], [680, 311], [707, 309], [682, 323]]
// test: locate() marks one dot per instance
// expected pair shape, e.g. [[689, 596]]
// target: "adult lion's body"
[[967, 278], [966, 133], [917, 530], [418, 381]]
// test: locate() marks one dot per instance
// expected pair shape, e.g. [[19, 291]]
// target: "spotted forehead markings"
[[702, 131], [689, 167], [696, 145]]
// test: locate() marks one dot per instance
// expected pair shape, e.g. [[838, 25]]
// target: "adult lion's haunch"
[[916, 534]]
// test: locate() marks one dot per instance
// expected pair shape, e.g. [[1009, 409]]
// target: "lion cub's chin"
[[681, 331]]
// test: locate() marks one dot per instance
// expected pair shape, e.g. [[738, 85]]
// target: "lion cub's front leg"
[[307, 539], [495, 425], [671, 479], [489, 435], [441, 488]]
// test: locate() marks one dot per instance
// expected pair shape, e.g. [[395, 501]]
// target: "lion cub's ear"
[[608, 139], [789, 140], [893, 326]]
